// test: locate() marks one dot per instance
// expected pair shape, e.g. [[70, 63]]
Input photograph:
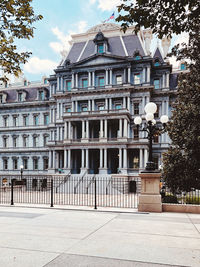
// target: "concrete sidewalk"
[[52, 237]]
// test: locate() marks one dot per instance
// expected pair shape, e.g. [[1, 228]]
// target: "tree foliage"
[[16, 22], [164, 17], [182, 161]]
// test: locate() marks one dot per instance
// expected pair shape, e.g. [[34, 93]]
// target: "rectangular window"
[[5, 164], [137, 78], [156, 83], [100, 49], [46, 119], [68, 109], [68, 85], [118, 106], [45, 139], [15, 121], [25, 120], [45, 163], [5, 143], [136, 108], [5, 121], [20, 97], [35, 164], [101, 81], [14, 141], [84, 83], [25, 164], [36, 120], [25, 141], [35, 141], [101, 107], [15, 164], [41, 95], [119, 79]]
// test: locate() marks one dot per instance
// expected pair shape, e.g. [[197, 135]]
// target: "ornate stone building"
[[82, 120]]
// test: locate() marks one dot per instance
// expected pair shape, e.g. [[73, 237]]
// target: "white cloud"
[[64, 39], [92, 2], [108, 5], [37, 66]]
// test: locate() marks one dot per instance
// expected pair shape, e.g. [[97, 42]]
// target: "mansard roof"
[[117, 45], [158, 55]]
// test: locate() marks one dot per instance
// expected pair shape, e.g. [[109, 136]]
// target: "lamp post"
[[151, 129], [21, 170]]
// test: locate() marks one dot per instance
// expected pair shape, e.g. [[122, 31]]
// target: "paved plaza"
[[36, 237]]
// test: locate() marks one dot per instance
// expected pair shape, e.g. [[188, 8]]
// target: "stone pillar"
[[76, 86], [50, 160], [65, 130], [93, 106], [125, 128], [73, 80], [87, 159], [124, 102], [110, 76], [76, 106], [110, 103], [167, 80], [93, 79], [101, 128], [129, 74], [83, 129], [163, 80], [144, 75], [145, 157], [128, 103], [65, 158], [106, 104], [124, 80], [120, 128], [89, 79], [105, 158], [106, 76], [148, 74], [167, 108], [69, 159], [150, 198], [69, 130], [141, 158], [125, 159], [89, 105], [101, 158], [54, 160], [87, 129], [105, 128], [120, 158], [82, 158]]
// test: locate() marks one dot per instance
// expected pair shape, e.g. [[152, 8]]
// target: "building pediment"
[[99, 60]]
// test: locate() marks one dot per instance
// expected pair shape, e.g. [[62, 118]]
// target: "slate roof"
[[158, 54], [131, 42], [31, 94]]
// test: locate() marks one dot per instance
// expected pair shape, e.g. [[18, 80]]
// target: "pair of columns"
[[103, 158], [165, 80], [123, 128], [143, 158], [123, 158], [68, 130]]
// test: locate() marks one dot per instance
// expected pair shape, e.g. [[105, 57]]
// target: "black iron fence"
[[88, 190], [192, 197]]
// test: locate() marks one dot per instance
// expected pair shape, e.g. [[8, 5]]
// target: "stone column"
[[125, 159], [50, 160], [141, 158], [120, 158], [110, 76], [101, 158], [120, 128], [125, 128], [73, 80], [93, 79], [76, 106], [124, 80], [76, 80], [105, 158], [82, 158], [65, 158], [54, 160], [129, 74], [83, 129], [167, 108], [144, 75], [101, 128], [106, 104], [69, 130], [150, 198], [65, 130], [167, 80], [87, 158], [87, 129], [89, 105], [89, 79], [163, 80], [148, 74], [110, 103], [72, 106], [106, 76], [69, 159], [105, 128], [145, 157], [124, 102], [128, 103]]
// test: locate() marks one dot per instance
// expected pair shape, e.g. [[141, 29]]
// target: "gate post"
[[150, 198], [12, 187], [51, 193]]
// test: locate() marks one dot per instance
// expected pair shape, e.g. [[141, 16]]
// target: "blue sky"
[[61, 19]]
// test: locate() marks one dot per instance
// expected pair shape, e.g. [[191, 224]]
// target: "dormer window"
[[101, 43], [41, 95], [3, 97], [157, 63], [137, 55], [21, 95], [100, 48]]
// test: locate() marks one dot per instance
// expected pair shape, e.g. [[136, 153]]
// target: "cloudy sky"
[[61, 19]]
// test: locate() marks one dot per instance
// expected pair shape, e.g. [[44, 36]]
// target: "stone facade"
[[91, 101]]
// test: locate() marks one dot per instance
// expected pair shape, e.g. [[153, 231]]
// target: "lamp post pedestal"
[[150, 198]]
